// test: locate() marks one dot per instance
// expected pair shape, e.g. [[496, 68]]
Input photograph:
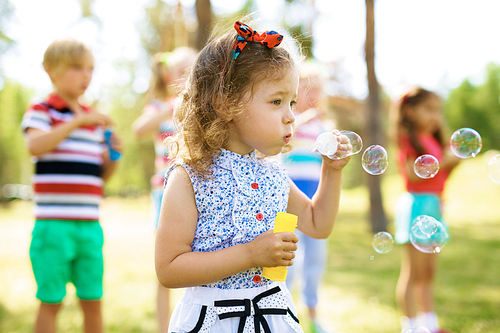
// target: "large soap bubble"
[[465, 143], [327, 144], [426, 166], [374, 160], [428, 235]]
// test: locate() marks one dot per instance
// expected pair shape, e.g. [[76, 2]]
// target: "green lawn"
[[358, 290]]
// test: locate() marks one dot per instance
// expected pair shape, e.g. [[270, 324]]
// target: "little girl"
[[221, 197], [420, 129], [168, 72]]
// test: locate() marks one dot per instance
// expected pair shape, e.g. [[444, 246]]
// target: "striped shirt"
[[67, 180]]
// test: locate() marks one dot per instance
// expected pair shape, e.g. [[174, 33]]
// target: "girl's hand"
[[344, 147], [273, 249]]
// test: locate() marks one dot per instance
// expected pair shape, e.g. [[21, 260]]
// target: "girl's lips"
[[287, 138]]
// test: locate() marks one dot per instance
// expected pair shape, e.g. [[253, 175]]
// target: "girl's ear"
[[409, 111]]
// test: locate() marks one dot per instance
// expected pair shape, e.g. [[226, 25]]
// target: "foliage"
[[5, 12], [357, 293], [477, 107], [14, 160]]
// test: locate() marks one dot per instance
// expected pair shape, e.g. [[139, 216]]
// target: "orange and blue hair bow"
[[247, 34]]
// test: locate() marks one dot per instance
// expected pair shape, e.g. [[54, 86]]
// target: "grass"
[[358, 290]]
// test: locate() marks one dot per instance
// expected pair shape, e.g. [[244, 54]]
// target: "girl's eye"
[[293, 104], [277, 102]]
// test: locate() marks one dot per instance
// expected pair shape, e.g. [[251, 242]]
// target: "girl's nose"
[[289, 117]]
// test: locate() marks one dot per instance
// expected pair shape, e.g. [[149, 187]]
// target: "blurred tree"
[[15, 166], [477, 107], [204, 15], [6, 10], [373, 133], [86, 8], [298, 20]]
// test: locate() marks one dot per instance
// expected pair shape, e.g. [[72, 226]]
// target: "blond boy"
[[71, 165]]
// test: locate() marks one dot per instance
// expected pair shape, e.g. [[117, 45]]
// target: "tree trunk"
[[204, 15], [373, 130]]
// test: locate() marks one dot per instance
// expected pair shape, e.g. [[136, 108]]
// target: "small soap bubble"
[[372, 257], [428, 235], [494, 169], [465, 143], [374, 160], [426, 166], [418, 329], [383, 242]]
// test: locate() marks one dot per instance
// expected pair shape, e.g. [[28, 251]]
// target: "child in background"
[[221, 198], [168, 71], [420, 128], [304, 168], [72, 162]]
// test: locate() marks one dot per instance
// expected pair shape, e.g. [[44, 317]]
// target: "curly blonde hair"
[[217, 88]]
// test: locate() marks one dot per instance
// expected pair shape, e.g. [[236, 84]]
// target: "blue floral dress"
[[237, 203]]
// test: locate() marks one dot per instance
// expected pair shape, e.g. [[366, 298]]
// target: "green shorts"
[[67, 251]]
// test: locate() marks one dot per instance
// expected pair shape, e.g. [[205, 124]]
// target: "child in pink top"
[[419, 131]]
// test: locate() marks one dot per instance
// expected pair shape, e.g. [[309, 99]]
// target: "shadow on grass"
[[467, 287]]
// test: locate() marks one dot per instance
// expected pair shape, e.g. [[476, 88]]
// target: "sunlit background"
[[448, 46], [436, 44]]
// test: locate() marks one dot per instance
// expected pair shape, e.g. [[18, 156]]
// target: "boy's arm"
[[41, 142], [317, 216], [108, 167], [177, 266]]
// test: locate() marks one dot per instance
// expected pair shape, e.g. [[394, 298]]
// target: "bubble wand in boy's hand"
[[114, 155]]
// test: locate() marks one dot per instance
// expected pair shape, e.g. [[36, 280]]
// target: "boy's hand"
[[273, 249], [116, 142], [93, 118]]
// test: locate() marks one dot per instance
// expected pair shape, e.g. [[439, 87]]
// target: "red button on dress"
[[256, 278], [255, 186], [259, 216]]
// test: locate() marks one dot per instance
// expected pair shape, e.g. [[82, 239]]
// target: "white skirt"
[[267, 309]]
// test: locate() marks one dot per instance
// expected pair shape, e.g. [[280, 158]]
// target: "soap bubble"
[[327, 144], [418, 329], [465, 143], [494, 169], [428, 235], [427, 224], [426, 166], [355, 141], [374, 160], [383, 242]]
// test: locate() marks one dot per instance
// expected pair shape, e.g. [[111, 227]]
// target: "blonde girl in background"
[[168, 71], [420, 130], [222, 196]]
